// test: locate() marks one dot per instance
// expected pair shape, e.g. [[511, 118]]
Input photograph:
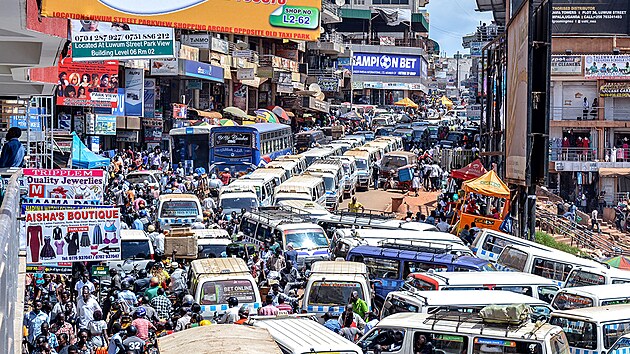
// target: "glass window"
[[584, 278], [616, 301], [442, 343], [566, 301], [613, 331], [306, 239], [551, 269], [248, 227], [333, 293], [580, 334], [546, 293], [559, 344], [415, 267], [389, 340], [492, 345], [217, 292], [621, 281], [622, 346], [514, 259], [418, 284], [263, 233], [179, 209], [494, 244], [380, 268], [394, 305], [135, 249], [525, 290]]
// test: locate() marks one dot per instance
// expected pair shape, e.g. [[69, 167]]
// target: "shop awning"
[[489, 184], [206, 114], [613, 172]]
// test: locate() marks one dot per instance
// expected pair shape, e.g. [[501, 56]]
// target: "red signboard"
[[93, 84]]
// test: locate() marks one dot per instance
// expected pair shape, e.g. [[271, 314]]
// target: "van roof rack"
[[473, 318], [425, 246], [279, 214]]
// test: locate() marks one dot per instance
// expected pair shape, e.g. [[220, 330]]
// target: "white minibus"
[[489, 244], [581, 276], [591, 296]]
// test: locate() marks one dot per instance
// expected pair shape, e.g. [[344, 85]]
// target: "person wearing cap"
[[243, 314], [152, 234], [178, 279], [154, 285], [226, 176], [291, 254], [331, 322], [359, 306]]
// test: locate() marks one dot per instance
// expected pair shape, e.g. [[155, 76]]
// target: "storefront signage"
[[152, 130], [386, 64], [590, 16], [202, 70], [284, 88], [288, 50], [607, 66], [99, 271], [233, 139], [566, 65], [94, 40], [163, 67], [476, 48], [127, 136], [105, 124], [92, 84], [316, 105], [188, 52], [180, 111], [52, 268], [194, 84], [220, 45], [245, 74], [328, 84], [86, 185], [149, 98], [134, 89], [615, 89], [35, 121], [73, 235], [201, 41], [242, 53]]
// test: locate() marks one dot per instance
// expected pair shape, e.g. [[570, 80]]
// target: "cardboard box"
[[181, 232], [184, 247]]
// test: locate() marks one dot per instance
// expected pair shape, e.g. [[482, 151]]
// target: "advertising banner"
[[607, 66], [120, 103], [134, 88], [152, 130], [566, 65], [94, 40], [245, 74], [615, 89], [73, 235], [165, 67], [202, 70], [328, 84], [35, 122], [105, 124], [65, 184], [386, 64], [201, 41], [287, 19], [240, 95], [52, 268], [93, 84], [219, 45], [590, 16], [149, 98]]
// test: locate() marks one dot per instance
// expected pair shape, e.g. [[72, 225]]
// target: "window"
[[415, 267], [494, 244], [616, 301], [263, 233], [551, 269], [621, 281], [248, 227], [546, 293], [613, 331], [179, 209], [584, 278], [442, 343], [217, 292], [380, 268], [333, 293], [581, 334], [525, 290], [566, 301], [390, 340], [394, 305], [513, 258], [491, 345]]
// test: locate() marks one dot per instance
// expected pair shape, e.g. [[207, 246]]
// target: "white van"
[[593, 329], [136, 251], [350, 174], [369, 220], [522, 283], [178, 209], [581, 276], [263, 184], [555, 265], [278, 174], [290, 167], [300, 160], [297, 334], [212, 243], [395, 141], [303, 187], [236, 196], [364, 163], [489, 244], [314, 154], [591, 296], [331, 171], [212, 281], [456, 332], [463, 300], [330, 285]]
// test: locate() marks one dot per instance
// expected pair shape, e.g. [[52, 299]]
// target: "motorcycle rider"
[[133, 344], [231, 315]]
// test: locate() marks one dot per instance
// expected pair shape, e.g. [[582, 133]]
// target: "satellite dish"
[[340, 2], [321, 29], [242, 46], [314, 87]]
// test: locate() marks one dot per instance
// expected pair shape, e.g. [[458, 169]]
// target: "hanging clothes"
[[59, 245], [85, 239], [57, 234]]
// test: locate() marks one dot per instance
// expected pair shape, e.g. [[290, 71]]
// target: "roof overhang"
[[496, 6]]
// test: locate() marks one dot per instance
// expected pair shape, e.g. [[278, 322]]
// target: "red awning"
[[473, 170]]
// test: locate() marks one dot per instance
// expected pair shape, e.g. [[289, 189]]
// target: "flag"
[[393, 17]]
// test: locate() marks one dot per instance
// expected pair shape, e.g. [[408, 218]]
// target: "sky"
[[452, 19]]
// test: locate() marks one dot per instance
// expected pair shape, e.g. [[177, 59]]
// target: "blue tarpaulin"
[[82, 157]]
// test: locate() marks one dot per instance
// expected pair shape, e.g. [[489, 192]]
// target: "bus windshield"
[[238, 203], [307, 239], [179, 208], [361, 164], [192, 147], [329, 183]]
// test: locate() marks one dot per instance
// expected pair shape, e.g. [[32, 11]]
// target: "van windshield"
[[566, 301], [361, 164], [584, 278], [179, 209], [246, 203], [135, 249], [329, 183], [333, 293], [139, 178], [217, 292], [612, 332], [306, 239]]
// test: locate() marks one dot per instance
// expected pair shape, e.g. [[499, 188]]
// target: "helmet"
[[188, 300], [232, 301], [141, 312], [132, 331], [127, 285]]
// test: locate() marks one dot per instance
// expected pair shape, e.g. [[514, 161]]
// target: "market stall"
[[474, 169], [486, 203]]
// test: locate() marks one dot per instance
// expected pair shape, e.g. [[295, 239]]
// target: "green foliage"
[[545, 239]]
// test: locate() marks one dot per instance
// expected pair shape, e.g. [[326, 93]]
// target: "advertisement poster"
[[180, 111], [105, 124], [240, 96], [64, 122], [149, 98], [93, 84], [165, 67], [65, 184], [152, 130], [386, 64], [73, 235], [35, 122], [120, 103], [94, 40], [566, 65], [590, 16], [615, 89], [134, 89], [287, 19], [607, 66], [328, 84]]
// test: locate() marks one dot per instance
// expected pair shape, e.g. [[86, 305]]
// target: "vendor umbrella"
[[281, 113], [227, 122], [621, 262], [406, 102], [266, 115], [235, 111]]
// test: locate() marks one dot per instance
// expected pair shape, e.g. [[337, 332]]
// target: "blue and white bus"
[[190, 147], [241, 147]]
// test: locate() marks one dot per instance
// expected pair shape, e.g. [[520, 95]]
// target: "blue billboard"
[[387, 64]]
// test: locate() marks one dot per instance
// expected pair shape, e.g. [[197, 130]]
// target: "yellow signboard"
[[287, 19]]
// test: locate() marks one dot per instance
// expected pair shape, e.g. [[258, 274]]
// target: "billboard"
[[590, 16], [93, 84], [607, 66], [134, 89], [94, 40], [517, 88], [85, 185], [287, 19], [105, 124], [386, 64], [615, 89], [566, 65]]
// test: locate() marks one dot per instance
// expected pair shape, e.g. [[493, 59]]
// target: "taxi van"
[[454, 332], [278, 174], [583, 276], [522, 283], [211, 281], [489, 244], [330, 285], [593, 330], [303, 187], [464, 300], [298, 159], [591, 296], [178, 209], [364, 161]]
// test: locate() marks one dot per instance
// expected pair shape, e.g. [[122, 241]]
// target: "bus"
[[190, 147], [241, 147]]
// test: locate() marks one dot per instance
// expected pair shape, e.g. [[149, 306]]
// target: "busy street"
[[315, 176]]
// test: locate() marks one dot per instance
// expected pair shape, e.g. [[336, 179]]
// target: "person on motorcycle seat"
[[141, 324], [133, 343], [231, 315], [127, 295]]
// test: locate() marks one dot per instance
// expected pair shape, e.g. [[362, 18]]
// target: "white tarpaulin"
[[393, 17]]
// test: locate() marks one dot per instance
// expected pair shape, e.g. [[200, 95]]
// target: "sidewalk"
[[424, 202]]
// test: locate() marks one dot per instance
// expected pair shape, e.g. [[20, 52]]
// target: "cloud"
[[450, 20]]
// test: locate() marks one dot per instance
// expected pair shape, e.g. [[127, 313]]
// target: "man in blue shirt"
[[331, 322], [33, 322], [13, 151]]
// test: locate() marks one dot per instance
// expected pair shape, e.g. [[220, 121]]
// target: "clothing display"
[[34, 240], [47, 251], [57, 234], [73, 243], [85, 239], [97, 235], [110, 229], [59, 245]]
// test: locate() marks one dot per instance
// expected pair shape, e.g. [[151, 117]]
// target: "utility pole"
[[351, 78], [457, 75]]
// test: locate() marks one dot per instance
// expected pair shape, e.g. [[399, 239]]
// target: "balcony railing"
[[574, 113], [572, 154], [329, 6], [616, 154]]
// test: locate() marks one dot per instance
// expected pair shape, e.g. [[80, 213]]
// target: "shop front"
[[128, 132]]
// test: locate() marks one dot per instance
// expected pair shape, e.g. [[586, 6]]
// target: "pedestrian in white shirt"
[[86, 305]]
